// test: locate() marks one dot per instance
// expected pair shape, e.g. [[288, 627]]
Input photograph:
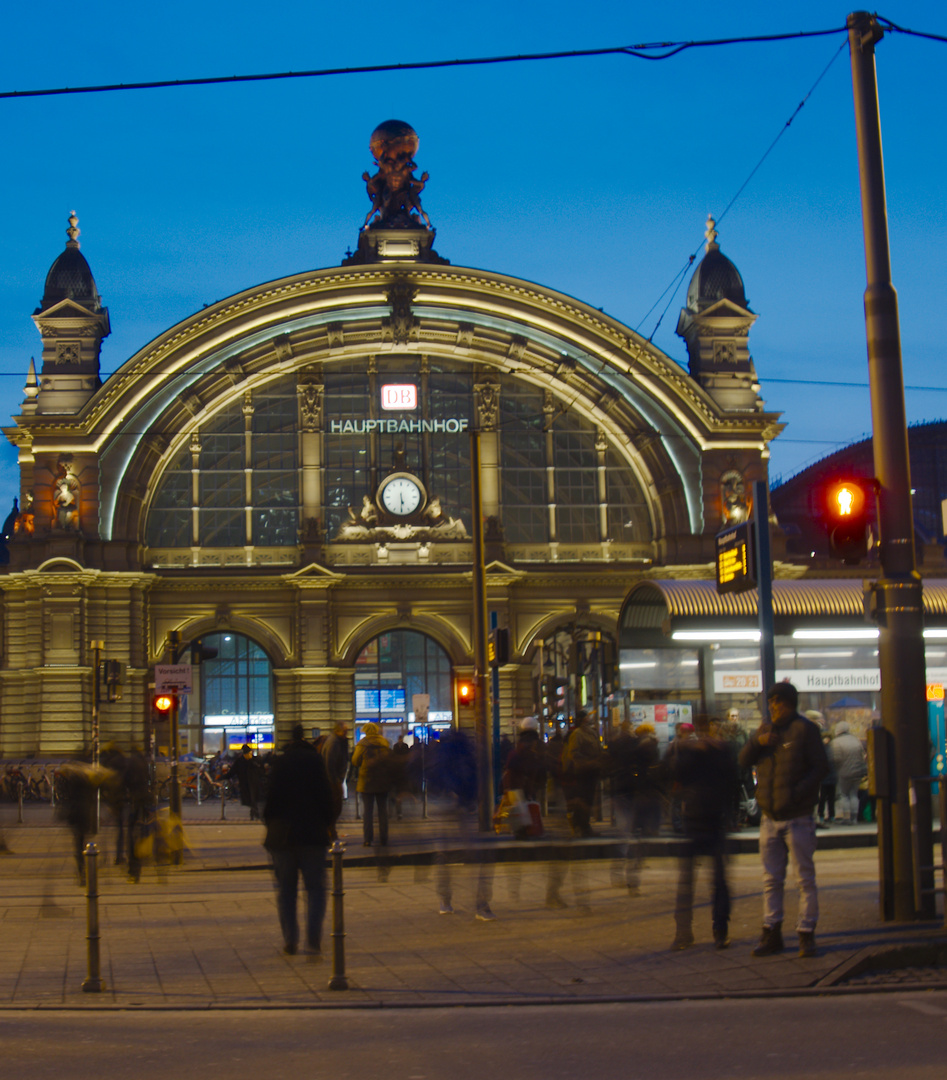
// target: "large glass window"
[[394, 667], [249, 483], [236, 686]]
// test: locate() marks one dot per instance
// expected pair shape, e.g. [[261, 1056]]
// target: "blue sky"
[[593, 176]]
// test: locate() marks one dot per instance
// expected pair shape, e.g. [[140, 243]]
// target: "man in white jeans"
[[790, 762]]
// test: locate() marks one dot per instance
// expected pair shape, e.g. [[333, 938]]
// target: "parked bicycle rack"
[[919, 871]]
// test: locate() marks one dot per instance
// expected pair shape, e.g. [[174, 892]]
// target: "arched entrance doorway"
[[233, 703], [390, 671]]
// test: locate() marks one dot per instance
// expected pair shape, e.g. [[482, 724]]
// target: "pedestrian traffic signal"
[[163, 703], [466, 692], [845, 509]]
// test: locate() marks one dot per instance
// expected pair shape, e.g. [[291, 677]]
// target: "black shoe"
[[807, 943], [721, 939], [771, 942], [683, 939], [290, 950]]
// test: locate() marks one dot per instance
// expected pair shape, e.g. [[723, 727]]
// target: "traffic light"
[[498, 647], [200, 651], [466, 692], [163, 703], [845, 508]]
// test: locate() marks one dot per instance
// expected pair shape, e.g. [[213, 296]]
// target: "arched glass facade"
[[239, 483], [391, 669]]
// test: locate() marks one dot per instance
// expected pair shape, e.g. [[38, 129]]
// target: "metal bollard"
[[223, 801], [338, 980], [19, 802], [92, 984]]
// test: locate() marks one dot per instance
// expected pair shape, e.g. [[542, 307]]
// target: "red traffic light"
[[465, 692], [845, 509], [163, 702], [846, 500]]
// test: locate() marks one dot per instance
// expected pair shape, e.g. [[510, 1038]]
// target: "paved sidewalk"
[[205, 935]]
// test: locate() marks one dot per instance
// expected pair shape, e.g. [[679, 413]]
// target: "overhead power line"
[[660, 50]]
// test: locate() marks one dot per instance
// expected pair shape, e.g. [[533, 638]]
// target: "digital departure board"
[[735, 570]]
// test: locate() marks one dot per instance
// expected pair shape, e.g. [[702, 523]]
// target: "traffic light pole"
[[898, 596]]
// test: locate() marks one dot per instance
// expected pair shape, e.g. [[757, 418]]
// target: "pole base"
[[338, 982], [93, 986]]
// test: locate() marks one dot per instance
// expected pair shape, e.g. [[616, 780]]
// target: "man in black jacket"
[[790, 762], [300, 824]]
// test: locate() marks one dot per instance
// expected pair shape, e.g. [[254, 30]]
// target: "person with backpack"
[[372, 759]]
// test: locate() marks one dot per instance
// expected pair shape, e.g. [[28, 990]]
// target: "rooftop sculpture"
[[394, 190]]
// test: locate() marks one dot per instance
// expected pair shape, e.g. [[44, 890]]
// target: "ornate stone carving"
[[402, 320], [67, 352], [310, 393], [248, 409], [733, 498], [488, 404], [66, 495]]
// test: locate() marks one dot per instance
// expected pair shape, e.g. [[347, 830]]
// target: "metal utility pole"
[[897, 594], [482, 703]]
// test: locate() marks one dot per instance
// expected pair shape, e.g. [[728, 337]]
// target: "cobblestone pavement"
[[205, 935]]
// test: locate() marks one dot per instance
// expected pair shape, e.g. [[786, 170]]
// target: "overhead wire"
[[676, 283], [639, 52]]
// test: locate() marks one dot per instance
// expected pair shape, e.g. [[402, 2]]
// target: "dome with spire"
[[716, 278], [70, 277]]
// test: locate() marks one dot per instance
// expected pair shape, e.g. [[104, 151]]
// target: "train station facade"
[[285, 476]]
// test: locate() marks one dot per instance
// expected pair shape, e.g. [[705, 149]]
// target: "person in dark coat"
[[300, 825], [248, 772], [704, 773], [790, 763]]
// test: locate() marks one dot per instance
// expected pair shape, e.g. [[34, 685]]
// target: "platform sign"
[[734, 558]]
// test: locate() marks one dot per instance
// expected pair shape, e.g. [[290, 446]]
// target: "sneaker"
[[682, 941], [771, 942], [807, 943], [446, 909], [721, 939], [484, 914]]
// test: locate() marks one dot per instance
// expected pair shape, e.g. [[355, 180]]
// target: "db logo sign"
[[396, 396]]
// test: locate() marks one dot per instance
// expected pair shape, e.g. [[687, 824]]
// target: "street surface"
[[871, 1037]]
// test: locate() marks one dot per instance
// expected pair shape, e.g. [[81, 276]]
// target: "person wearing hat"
[[790, 762]]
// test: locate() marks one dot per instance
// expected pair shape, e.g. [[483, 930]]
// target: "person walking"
[[851, 768], [582, 761], [300, 824], [790, 762], [335, 753], [704, 774], [372, 759]]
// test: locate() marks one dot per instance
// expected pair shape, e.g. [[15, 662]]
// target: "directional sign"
[[173, 677]]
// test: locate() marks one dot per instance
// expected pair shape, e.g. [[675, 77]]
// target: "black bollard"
[[338, 980], [92, 984]]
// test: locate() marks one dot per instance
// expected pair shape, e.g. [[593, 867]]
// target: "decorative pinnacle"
[[73, 231], [711, 233]]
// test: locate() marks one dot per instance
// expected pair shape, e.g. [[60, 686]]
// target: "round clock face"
[[401, 496]]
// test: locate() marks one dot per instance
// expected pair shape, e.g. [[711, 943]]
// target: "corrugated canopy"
[[655, 605]]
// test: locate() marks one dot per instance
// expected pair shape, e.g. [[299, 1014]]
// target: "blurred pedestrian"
[[400, 773], [300, 825], [372, 759], [452, 784], [704, 773], [525, 774], [582, 762], [623, 765], [848, 757], [335, 753], [249, 776], [790, 762]]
